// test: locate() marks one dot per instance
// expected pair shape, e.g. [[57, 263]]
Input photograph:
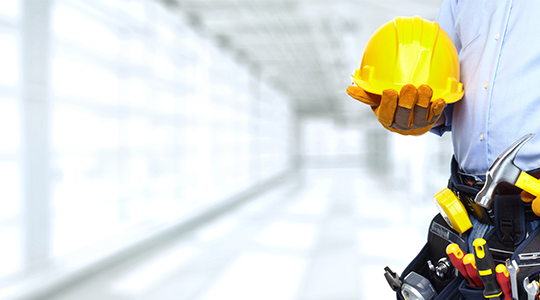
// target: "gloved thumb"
[[535, 202], [364, 97]]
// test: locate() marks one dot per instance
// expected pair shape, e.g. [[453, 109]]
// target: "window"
[[10, 139], [139, 139]]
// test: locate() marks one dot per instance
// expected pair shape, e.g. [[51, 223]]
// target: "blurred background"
[[203, 149]]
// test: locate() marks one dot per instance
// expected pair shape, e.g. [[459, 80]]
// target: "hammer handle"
[[528, 183]]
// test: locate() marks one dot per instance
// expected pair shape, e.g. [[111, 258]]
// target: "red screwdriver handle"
[[456, 255], [503, 278], [470, 265]]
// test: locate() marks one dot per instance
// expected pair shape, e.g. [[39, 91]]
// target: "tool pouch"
[[514, 233], [527, 255], [439, 237], [452, 287], [469, 292]]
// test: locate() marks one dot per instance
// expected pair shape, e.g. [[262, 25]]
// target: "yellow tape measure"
[[453, 211]]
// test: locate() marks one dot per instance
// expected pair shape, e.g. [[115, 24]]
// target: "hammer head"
[[503, 169]]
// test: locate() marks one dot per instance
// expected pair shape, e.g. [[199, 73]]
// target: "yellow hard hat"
[[410, 50]]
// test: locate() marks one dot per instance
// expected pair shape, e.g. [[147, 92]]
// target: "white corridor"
[[325, 234]]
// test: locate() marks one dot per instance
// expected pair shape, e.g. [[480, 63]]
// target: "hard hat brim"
[[448, 95]]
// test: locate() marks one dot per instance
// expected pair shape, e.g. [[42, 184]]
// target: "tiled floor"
[[326, 235]]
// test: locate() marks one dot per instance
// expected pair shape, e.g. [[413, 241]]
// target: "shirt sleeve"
[[446, 20], [440, 129]]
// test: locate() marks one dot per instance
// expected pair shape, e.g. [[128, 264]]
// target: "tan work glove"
[[528, 198], [410, 113]]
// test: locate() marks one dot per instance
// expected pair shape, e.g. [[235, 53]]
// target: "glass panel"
[[10, 187], [10, 8], [74, 26], [10, 225], [9, 59], [80, 78]]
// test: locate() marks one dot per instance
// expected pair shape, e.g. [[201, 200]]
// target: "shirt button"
[[497, 36], [486, 85], [481, 137]]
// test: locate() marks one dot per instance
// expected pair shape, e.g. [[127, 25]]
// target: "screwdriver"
[[503, 278], [456, 255], [486, 268], [470, 266]]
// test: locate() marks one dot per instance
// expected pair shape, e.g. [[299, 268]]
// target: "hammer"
[[503, 169]]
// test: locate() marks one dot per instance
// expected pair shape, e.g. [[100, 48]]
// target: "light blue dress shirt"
[[498, 42]]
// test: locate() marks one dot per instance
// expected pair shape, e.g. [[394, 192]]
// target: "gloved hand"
[[410, 113], [528, 198]]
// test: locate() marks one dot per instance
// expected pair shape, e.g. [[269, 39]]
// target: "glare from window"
[[10, 128], [10, 8], [10, 231], [83, 130], [84, 80], [9, 59], [89, 33]]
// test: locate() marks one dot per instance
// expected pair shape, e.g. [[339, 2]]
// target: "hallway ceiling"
[[307, 49]]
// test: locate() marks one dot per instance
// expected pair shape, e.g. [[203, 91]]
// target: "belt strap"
[[466, 194]]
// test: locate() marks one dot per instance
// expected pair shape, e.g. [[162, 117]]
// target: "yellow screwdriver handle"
[[528, 183]]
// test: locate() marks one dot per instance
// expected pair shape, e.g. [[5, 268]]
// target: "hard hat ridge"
[[410, 50]]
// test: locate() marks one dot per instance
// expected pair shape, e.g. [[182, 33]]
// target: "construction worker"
[[499, 55]]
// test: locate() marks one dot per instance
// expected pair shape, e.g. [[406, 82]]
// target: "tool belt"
[[510, 228]]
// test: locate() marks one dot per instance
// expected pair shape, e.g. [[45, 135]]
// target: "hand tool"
[[470, 266], [453, 211], [503, 169], [456, 257], [442, 269], [392, 278], [503, 279], [531, 288], [417, 287], [513, 269], [486, 268]]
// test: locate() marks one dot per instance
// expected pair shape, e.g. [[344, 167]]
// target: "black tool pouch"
[[509, 238], [439, 237], [527, 255]]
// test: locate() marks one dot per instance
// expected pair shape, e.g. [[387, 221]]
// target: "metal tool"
[[503, 169], [392, 278], [531, 288], [503, 279], [453, 211], [456, 255], [417, 287], [486, 268], [470, 266], [513, 269], [442, 269]]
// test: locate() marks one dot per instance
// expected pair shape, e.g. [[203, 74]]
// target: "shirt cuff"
[[444, 125]]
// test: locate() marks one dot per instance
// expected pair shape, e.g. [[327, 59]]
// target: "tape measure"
[[452, 210], [417, 287]]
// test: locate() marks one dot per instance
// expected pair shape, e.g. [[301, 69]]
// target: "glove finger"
[[424, 95], [387, 109], [408, 97], [364, 97], [437, 108], [536, 207], [527, 197]]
